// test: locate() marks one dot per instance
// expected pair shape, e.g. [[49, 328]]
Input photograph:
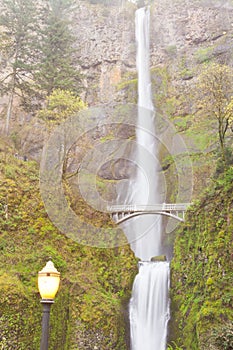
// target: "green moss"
[[185, 71], [204, 54], [94, 282], [201, 269], [128, 86]]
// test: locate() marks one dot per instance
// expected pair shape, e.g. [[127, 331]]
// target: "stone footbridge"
[[121, 213]]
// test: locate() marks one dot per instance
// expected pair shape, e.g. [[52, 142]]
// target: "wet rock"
[[159, 258]]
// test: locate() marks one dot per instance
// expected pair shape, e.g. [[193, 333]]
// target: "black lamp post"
[[48, 284]]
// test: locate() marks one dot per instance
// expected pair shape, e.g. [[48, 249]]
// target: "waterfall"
[[149, 305], [149, 312], [144, 232]]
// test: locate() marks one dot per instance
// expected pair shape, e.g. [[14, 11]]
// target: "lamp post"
[[48, 284]]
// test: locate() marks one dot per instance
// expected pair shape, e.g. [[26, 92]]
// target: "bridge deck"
[[120, 213], [148, 208]]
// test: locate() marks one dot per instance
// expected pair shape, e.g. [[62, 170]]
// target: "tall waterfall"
[[144, 232], [149, 305]]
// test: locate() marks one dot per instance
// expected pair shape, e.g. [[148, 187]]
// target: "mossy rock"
[[159, 258]]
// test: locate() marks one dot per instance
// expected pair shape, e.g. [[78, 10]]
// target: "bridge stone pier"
[[121, 213]]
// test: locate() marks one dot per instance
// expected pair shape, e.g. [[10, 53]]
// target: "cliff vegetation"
[[202, 296], [90, 308]]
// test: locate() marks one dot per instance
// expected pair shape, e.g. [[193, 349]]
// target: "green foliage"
[[61, 104], [56, 68], [201, 270], [94, 282], [129, 86], [174, 346], [224, 336], [18, 21], [182, 123], [184, 69], [204, 54], [223, 162], [214, 94], [171, 50], [168, 101], [37, 44]]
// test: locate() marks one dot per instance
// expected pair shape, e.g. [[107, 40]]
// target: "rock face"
[[184, 33], [180, 29], [105, 41], [185, 25]]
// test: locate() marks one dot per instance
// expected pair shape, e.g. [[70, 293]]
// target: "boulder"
[[158, 258]]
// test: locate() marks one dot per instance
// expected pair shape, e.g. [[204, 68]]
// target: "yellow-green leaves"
[[215, 89], [214, 93], [60, 105]]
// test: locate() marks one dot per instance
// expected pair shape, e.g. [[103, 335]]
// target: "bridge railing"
[[148, 208]]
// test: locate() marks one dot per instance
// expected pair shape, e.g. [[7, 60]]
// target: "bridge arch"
[[121, 213]]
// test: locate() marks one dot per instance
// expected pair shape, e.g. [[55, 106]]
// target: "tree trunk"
[[221, 139], [9, 112], [11, 99]]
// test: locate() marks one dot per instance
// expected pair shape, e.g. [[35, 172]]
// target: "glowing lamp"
[[48, 281]]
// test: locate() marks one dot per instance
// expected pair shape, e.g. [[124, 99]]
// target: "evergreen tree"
[[18, 21], [57, 68]]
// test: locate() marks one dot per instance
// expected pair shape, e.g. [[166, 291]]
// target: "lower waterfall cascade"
[[149, 310]]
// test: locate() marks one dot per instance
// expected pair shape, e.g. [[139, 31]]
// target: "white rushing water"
[[144, 232], [149, 305], [149, 312]]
